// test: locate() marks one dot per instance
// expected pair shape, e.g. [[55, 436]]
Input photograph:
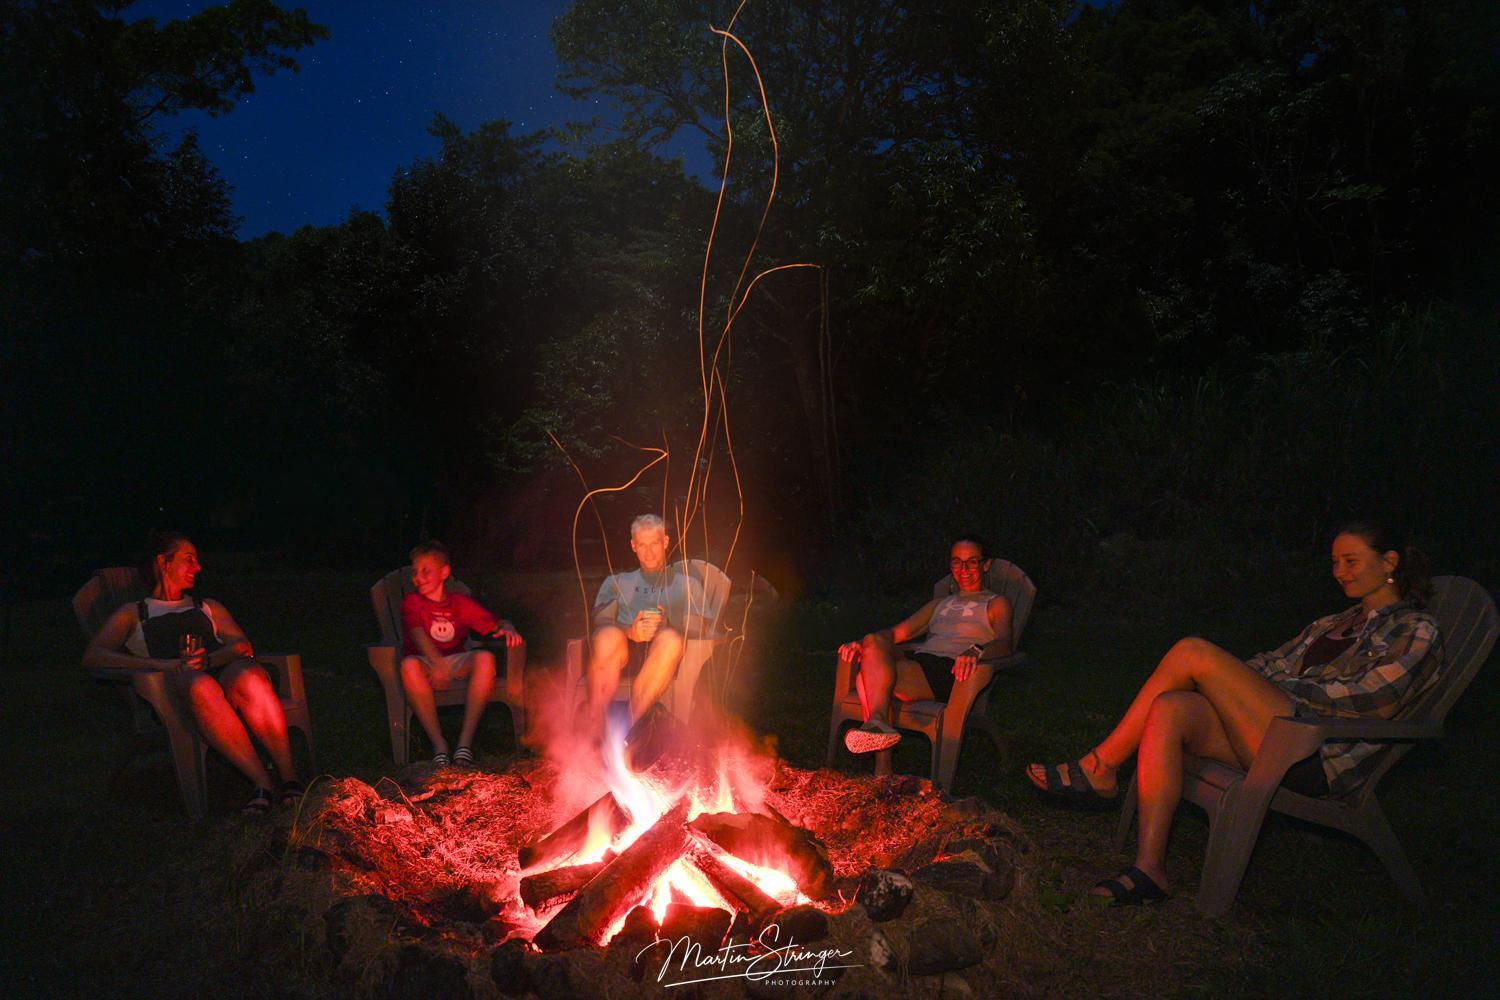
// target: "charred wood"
[[623, 884], [569, 838], [773, 843], [547, 888]]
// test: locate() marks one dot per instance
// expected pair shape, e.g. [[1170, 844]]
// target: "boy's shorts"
[[463, 664]]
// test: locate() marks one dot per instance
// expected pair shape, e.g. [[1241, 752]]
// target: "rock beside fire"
[[639, 931], [939, 944], [421, 972], [508, 968], [799, 924], [704, 926], [966, 878], [942, 944], [884, 893], [359, 920]]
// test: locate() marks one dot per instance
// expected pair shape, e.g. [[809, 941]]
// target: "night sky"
[[308, 147]]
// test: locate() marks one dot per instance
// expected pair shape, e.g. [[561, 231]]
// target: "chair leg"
[[980, 713], [303, 725], [1233, 827], [882, 763], [188, 753], [1127, 815], [1374, 829], [398, 716], [945, 748], [834, 725]]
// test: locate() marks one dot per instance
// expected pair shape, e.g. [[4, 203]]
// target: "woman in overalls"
[[198, 645]]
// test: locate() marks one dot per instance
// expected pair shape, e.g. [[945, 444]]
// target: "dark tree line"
[[1087, 278]]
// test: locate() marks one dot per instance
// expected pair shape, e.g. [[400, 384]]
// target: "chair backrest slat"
[[1009, 581], [716, 588], [104, 593], [386, 596], [1469, 625]]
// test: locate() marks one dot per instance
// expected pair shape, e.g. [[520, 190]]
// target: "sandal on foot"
[[289, 793], [1142, 888], [440, 760], [1070, 781], [463, 757], [872, 736], [260, 805]]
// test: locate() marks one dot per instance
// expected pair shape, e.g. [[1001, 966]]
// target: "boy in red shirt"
[[434, 625]]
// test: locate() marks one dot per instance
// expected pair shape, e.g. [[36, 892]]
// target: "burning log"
[[738, 891], [567, 839], [762, 840], [543, 890], [625, 882]]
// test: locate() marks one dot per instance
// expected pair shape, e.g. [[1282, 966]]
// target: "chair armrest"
[[843, 679], [1006, 662], [288, 682], [1290, 739], [1360, 729], [120, 673]]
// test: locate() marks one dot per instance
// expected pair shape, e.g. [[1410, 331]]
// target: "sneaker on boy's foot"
[[873, 735]]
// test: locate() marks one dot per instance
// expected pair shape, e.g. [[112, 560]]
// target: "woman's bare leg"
[[222, 728], [1244, 701], [253, 696], [876, 678], [1177, 721]]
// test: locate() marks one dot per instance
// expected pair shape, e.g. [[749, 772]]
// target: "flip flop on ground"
[[1132, 887], [260, 804], [289, 793]]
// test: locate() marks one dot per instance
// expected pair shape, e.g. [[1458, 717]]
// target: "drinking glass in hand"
[[190, 651]]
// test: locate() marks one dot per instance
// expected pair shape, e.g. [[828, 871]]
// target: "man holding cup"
[[633, 626]]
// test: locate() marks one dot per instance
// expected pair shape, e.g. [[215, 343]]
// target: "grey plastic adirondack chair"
[[943, 722], [156, 710], [1236, 801], [384, 656], [702, 638]]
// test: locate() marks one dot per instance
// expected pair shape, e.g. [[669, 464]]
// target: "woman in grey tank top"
[[956, 632]]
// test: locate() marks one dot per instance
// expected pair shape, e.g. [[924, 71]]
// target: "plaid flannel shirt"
[[1394, 659]]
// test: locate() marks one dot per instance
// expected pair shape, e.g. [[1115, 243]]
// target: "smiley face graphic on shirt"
[[441, 630]]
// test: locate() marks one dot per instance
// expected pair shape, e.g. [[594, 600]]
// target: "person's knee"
[[667, 640], [414, 670], [204, 694], [251, 686], [1191, 653], [483, 665], [1170, 711], [608, 641]]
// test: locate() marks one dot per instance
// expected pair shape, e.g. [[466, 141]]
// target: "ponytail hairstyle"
[[160, 543], [1411, 572]]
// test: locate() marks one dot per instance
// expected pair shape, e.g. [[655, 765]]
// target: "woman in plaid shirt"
[[1369, 661]]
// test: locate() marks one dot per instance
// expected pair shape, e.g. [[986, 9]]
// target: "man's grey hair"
[[645, 523]]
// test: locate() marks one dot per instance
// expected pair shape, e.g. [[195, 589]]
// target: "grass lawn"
[[109, 891]]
